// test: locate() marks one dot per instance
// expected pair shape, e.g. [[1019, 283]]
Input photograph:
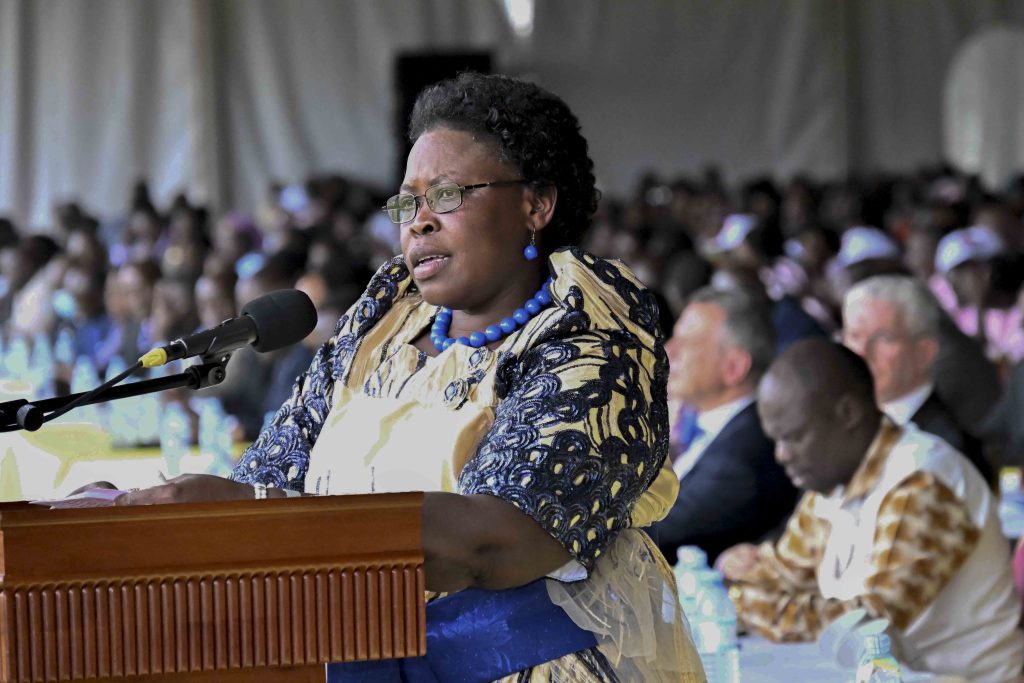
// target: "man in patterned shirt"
[[893, 520]]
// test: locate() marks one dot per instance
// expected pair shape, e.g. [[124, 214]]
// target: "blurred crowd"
[[126, 283], [845, 383], [118, 286], [800, 246]]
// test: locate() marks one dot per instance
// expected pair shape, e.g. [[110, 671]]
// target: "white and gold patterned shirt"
[[913, 538]]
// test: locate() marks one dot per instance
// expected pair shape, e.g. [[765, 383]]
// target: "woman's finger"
[[155, 495], [93, 485], [125, 498]]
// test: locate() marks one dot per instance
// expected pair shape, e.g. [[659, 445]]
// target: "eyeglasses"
[[441, 198]]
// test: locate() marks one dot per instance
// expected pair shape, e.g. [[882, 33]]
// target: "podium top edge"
[[21, 513]]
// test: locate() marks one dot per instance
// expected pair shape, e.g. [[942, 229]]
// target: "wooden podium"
[[264, 590]]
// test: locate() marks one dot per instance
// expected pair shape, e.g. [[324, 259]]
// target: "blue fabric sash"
[[477, 636]]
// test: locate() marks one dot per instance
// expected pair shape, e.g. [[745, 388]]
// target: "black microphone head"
[[282, 318]]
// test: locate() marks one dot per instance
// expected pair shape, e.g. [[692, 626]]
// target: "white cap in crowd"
[[734, 230], [293, 199], [977, 243], [864, 243]]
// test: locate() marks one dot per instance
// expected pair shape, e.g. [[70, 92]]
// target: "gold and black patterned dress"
[[567, 420]]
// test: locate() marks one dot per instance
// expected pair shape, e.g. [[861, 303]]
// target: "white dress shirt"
[[902, 409], [711, 423]]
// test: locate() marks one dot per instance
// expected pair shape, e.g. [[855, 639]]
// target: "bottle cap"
[[691, 556], [877, 644]]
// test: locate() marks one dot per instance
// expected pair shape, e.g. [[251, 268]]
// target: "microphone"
[[271, 322]]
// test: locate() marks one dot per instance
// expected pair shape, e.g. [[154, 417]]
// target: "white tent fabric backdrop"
[[984, 105], [219, 97]]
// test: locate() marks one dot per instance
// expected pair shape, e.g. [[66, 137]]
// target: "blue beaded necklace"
[[521, 316]]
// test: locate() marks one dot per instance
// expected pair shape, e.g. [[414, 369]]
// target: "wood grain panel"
[[76, 633], [147, 627], [90, 648], [209, 618], [323, 635]]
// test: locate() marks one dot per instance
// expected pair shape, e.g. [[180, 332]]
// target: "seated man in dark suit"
[[966, 381], [731, 490], [892, 321], [1004, 425]]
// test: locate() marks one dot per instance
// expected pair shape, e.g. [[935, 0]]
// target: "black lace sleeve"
[[580, 435]]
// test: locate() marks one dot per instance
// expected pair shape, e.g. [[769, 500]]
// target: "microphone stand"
[[30, 416]]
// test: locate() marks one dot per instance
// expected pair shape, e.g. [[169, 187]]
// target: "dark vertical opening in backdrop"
[[415, 71]]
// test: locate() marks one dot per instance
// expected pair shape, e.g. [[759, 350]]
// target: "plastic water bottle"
[[64, 348], [175, 434], [41, 367], [148, 419], [877, 665], [715, 633], [692, 572], [115, 368], [16, 360], [215, 434], [122, 415], [84, 377], [689, 560]]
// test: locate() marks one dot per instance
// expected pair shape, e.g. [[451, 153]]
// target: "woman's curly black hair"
[[532, 128]]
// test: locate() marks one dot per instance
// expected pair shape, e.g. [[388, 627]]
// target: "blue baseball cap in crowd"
[[976, 243], [864, 243], [735, 229]]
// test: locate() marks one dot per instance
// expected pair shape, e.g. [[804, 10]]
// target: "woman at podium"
[[516, 379]]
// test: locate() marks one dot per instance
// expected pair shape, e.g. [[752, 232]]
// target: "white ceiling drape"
[[219, 97]]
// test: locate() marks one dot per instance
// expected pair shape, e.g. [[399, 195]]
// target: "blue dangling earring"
[[530, 252]]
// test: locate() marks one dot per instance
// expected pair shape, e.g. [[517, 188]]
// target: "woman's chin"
[[434, 294]]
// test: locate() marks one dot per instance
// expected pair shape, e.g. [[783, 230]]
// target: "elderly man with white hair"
[[892, 321], [966, 381]]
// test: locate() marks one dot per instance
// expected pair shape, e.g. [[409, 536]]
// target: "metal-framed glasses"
[[441, 198]]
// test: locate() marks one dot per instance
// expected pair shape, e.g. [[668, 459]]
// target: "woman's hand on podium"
[[93, 485], [188, 488]]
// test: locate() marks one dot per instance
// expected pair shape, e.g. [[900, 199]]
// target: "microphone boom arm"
[[22, 414]]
